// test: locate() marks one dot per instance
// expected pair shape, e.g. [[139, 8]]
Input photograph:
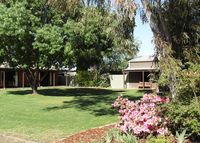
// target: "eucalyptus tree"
[[96, 36], [31, 37], [175, 25], [105, 34]]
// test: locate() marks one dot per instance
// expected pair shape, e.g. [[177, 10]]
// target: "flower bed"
[[142, 117]]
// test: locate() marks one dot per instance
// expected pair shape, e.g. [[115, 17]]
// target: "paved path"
[[10, 139]]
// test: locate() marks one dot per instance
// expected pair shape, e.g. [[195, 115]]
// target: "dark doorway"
[[61, 79], [10, 79], [146, 76], [46, 80]]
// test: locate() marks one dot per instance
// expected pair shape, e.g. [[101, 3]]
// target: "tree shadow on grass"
[[20, 92], [145, 91], [95, 100], [67, 91], [97, 104], [76, 92]]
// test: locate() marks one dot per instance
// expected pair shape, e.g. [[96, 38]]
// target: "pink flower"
[[141, 116], [167, 100], [162, 131]]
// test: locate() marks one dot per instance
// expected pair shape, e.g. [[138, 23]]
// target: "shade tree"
[[31, 37]]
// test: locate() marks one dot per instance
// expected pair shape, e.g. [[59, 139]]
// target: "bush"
[[91, 79], [84, 78], [114, 135], [189, 83], [142, 117], [184, 116], [103, 80], [158, 139]]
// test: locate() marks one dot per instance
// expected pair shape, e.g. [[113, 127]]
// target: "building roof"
[[142, 63], [4, 65], [141, 69], [143, 59]]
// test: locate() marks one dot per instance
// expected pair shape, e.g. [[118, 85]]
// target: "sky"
[[144, 35]]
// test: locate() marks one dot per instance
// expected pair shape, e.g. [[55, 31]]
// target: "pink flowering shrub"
[[142, 117]]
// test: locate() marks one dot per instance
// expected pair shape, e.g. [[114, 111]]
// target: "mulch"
[[87, 136], [95, 134]]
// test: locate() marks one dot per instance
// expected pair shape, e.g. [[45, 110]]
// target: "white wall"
[[116, 81]]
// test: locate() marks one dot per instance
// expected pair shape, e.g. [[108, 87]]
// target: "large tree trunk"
[[33, 78], [34, 89], [159, 28]]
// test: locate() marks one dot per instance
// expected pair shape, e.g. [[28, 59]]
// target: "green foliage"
[[104, 80], [40, 34], [49, 43], [157, 139], [30, 34], [177, 22], [92, 78], [31, 37], [180, 137], [189, 83], [169, 66], [71, 8], [84, 78], [184, 112], [116, 135], [176, 27], [94, 38], [182, 20], [184, 116], [128, 138]]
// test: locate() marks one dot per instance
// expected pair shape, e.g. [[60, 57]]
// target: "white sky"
[[144, 35]]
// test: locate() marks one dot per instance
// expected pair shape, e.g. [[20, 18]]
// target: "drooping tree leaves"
[[97, 36], [175, 25]]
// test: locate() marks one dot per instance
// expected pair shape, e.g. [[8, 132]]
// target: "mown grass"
[[57, 112]]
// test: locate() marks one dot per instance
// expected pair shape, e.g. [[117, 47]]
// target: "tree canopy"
[[41, 34], [31, 37], [175, 25], [176, 30], [96, 36]]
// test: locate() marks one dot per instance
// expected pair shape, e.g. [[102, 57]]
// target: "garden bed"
[[96, 134], [87, 136]]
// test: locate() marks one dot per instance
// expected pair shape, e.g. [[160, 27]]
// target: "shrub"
[[189, 83], [157, 139], [91, 79], [184, 116], [116, 135], [84, 78], [142, 117]]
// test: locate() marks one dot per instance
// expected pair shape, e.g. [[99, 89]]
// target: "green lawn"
[[57, 112]]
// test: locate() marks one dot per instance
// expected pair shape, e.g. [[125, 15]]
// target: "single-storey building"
[[11, 78], [137, 75]]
